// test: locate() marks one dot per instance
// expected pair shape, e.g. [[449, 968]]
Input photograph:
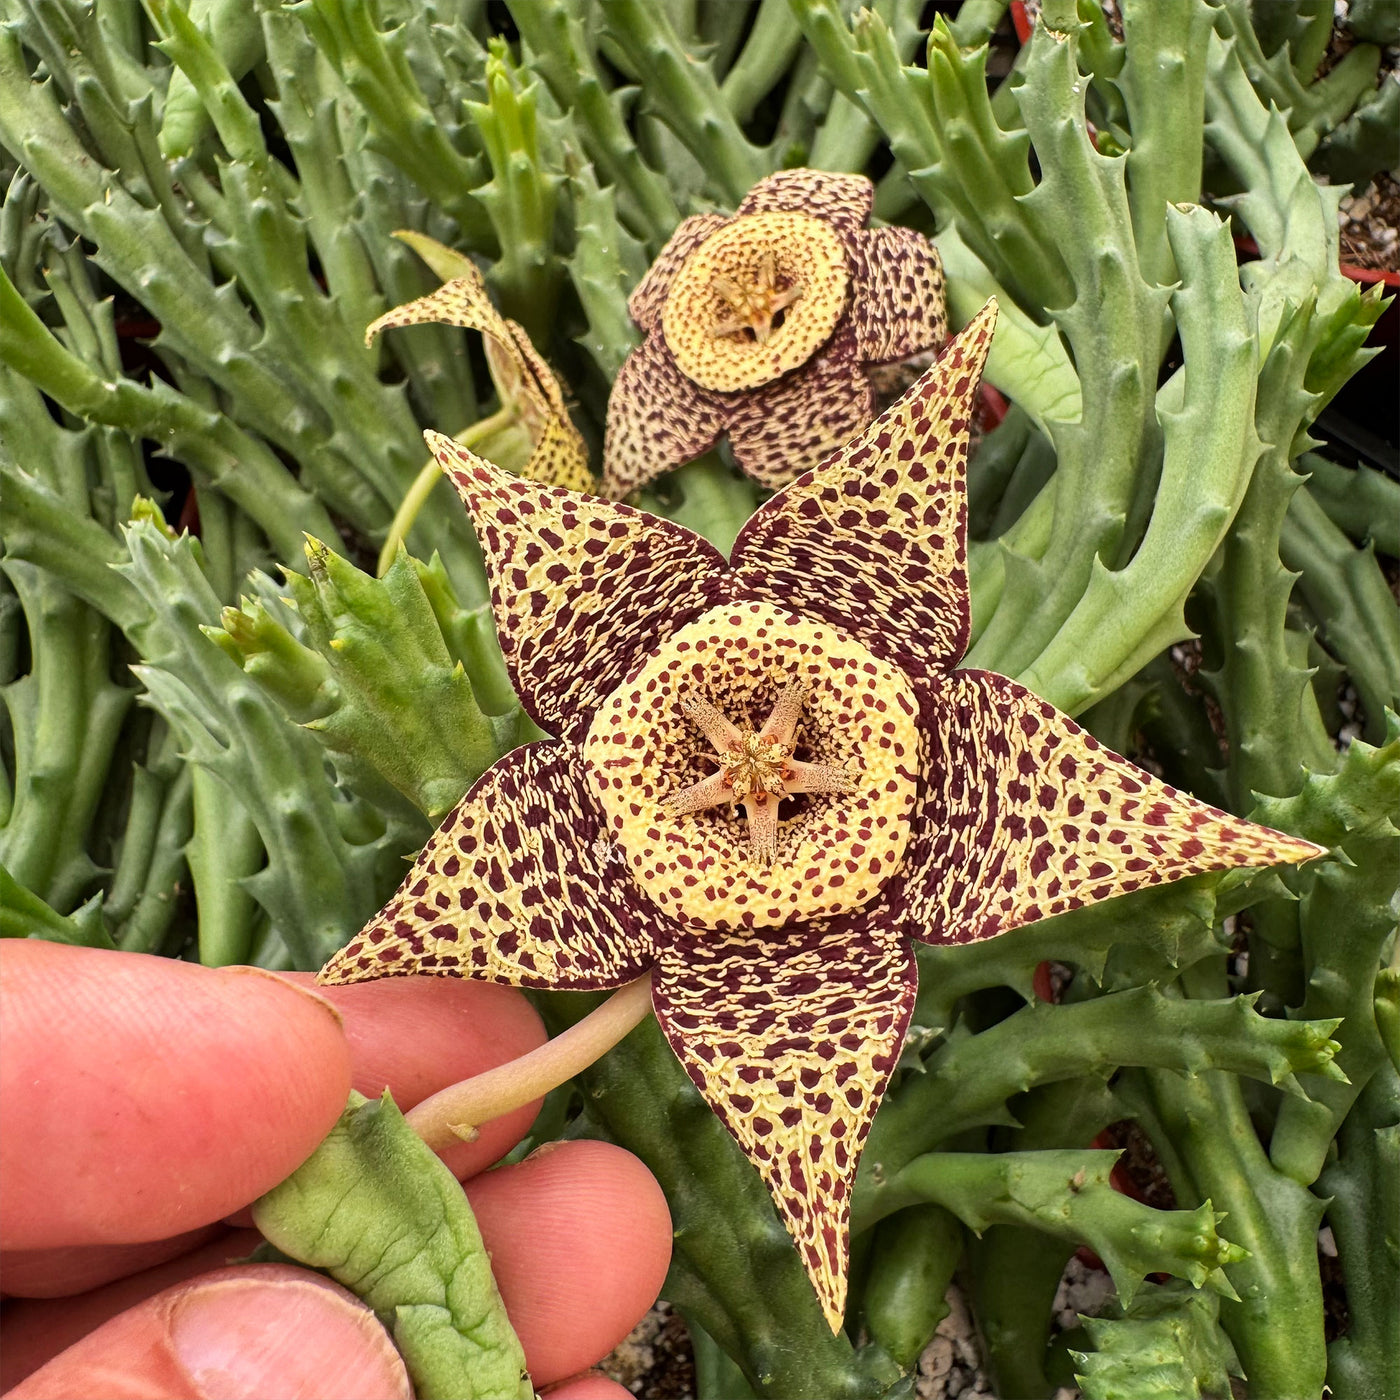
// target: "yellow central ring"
[[835, 850], [806, 253]]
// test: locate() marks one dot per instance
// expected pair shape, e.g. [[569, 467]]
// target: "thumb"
[[251, 1332]]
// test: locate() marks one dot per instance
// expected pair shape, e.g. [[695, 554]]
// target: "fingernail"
[[324, 1002], [247, 1340]]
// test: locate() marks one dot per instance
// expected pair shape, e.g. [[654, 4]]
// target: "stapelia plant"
[[761, 326], [938, 804]]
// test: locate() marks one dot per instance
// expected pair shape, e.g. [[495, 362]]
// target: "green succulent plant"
[[202, 759]]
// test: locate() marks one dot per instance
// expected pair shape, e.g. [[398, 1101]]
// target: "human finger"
[[580, 1239], [35, 1330], [254, 1332], [76, 1268], [590, 1386], [144, 1096]]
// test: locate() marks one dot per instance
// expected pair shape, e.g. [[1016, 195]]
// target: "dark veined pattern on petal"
[[1027, 815], [791, 1036], [897, 305], [805, 415], [515, 886], [582, 588], [657, 419], [844, 201], [875, 540]]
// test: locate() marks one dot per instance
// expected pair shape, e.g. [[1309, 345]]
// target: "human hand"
[[147, 1099]]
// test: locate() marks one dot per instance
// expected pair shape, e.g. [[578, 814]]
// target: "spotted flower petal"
[[875, 540], [803, 416], [657, 419], [1027, 815], [844, 201], [791, 1035], [582, 588], [517, 369], [515, 886], [897, 304], [649, 295]]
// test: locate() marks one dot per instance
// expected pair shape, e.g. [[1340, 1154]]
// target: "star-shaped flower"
[[531, 399], [762, 324], [810, 681]]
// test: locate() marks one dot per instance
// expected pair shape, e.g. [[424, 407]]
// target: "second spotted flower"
[[761, 325]]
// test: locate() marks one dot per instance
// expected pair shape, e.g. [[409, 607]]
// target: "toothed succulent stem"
[[561, 51], [1209, 451], [1275, 1321], [1067, 1195], [1347, 593], [1364, 1189], [521, 196], [225, 851], [318, 884], [370, 644], [375, 66], [969, 1081], [1361, 501], [686, 95], [1166, 1345], [1346, 916], [607, 263], [1016, 1271]]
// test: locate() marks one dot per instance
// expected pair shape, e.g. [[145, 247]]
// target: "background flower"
[[761, 326]]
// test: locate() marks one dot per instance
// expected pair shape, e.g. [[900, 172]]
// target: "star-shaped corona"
[[757, 769], [797, 777], [762, 325]]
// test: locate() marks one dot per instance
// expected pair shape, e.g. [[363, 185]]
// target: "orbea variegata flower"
[[524, 383], [866, 792], [762, 324]]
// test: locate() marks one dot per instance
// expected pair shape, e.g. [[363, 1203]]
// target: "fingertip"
[[34, 1330], [592, 1385], [282, 1332], [303, 983], [145, 1096], [58, 1273], [580, 1240]]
